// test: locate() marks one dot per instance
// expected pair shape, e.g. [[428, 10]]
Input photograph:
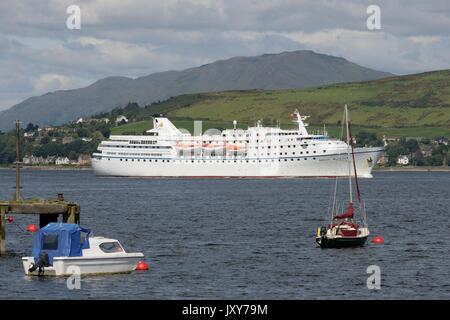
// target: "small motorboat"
[[344, 230], [62, 249]]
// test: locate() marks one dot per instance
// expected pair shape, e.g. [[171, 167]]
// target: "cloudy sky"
[[38, 53]]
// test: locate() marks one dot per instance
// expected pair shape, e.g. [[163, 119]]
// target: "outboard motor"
[[323, 238], [43, 261]]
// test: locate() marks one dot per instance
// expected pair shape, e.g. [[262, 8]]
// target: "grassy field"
[[410, 106], [334, 131], [141, 126]]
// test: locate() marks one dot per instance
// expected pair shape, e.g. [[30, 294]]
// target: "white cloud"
[[137, 37], [424, 39], [379, 50], [51, 82]]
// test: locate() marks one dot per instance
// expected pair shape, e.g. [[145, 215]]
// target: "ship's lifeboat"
[[235, 148], [188, 146], [213, 147]]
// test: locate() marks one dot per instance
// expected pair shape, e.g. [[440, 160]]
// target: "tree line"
[[51, 143]]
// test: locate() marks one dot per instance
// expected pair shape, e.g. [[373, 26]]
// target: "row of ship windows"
[[281, 146], [283, 134], [301, 152], [211, 161], [169, 147], [136, 154], [293, 153], [267, 134], [188, 153], [281, 153], [139, 147], [268, 147], [143, 142]]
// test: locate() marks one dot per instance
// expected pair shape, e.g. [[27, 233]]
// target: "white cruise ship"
[[166, 151]]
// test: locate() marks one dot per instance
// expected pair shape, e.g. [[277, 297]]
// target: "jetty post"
[[2, 230], [18, 195], [49, 210]]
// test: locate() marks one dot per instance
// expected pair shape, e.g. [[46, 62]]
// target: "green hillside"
[[413, 105]]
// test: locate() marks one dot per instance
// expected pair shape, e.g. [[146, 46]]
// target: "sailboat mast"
[[348, 155], [358, 192]]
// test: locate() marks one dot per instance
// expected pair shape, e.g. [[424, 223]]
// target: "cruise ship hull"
[[330, 165]]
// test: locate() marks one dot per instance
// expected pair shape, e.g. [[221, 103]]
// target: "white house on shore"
[[29, 134], [121, 120], [62, 161], [32, 160], [403, 160]]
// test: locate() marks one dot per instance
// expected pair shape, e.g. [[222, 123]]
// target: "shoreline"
[[88, 168], [412, 169], [49, 168]]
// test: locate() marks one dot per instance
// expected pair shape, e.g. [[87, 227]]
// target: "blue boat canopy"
[[61, 240]]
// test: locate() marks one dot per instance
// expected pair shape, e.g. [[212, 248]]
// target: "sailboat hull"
[[341, 242]]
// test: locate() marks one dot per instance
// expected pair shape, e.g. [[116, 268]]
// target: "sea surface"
[[242, 238]]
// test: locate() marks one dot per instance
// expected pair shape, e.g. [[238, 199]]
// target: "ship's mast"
[[301, 125], [348, 155]]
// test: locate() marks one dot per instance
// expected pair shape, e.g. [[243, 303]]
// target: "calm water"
[[243, 239]]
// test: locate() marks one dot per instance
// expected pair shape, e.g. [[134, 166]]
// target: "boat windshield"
[[110, 247]]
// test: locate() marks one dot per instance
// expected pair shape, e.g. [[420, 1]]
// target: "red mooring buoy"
[[378, 240], [142, 266], [10, 219], [32, 227]]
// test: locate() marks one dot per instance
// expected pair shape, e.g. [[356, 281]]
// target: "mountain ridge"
[[286, 70]]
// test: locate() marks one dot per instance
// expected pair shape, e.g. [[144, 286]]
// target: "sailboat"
[[348, 228]]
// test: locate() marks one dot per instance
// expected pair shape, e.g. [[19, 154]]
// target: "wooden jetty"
[[51, 210]]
